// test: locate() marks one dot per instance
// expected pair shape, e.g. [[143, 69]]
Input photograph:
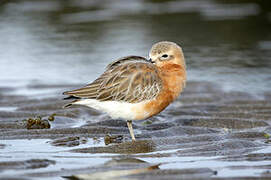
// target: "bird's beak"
[[151, 60]]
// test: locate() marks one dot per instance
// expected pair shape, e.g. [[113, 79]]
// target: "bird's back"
[[130, 79]]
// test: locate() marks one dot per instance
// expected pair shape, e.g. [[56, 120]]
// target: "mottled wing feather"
[[132, 80]]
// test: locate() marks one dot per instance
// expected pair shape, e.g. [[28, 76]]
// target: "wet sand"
[[207, 133]]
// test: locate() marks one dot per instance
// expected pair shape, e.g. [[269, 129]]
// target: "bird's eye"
[[164, 56]]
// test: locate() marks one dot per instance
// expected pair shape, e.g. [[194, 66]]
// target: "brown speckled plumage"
[[131, 79]]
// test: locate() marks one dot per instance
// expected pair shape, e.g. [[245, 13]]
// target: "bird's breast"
[[173, 79]]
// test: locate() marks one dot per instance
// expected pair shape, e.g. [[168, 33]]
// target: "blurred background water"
[[71, 41]]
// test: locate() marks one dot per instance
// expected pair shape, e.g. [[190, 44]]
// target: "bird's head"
[[166, 52]]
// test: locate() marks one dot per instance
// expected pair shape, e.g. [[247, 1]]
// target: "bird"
[[134, 87]]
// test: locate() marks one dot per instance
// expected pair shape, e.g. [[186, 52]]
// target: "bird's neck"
[[174, 78]]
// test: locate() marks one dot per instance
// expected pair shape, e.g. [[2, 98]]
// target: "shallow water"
[[51, 42], [219, 128], [64, 162], [203, 134]]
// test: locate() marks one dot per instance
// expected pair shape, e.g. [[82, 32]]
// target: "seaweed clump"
[[38, 122]]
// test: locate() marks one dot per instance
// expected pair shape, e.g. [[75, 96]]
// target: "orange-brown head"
[[166, 52]]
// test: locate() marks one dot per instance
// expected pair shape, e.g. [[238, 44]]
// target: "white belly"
[[117, 110]]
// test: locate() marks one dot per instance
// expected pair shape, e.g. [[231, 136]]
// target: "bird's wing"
[[131, 79]]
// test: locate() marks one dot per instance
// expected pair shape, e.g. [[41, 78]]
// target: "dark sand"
[[206, 134]]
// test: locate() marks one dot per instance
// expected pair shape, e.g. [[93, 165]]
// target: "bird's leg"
[[130, 127]]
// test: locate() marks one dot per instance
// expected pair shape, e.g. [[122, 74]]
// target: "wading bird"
[[136, 88]]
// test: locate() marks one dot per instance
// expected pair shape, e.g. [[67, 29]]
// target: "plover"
[[136, 88]]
